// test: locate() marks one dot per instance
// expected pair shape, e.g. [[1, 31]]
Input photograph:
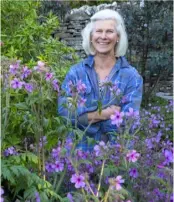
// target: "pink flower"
[[78, 180], [132, 156], [160, 166], [48, 76], [117, 118], [116, 182]]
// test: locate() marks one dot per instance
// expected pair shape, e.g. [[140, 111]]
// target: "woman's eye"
[[110, 31]]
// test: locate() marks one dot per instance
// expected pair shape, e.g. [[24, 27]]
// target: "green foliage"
[[17, 178], [150, 46], [158, 101], [27, 35]]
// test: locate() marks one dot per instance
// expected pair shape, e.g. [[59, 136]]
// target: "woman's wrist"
[[96, 116]]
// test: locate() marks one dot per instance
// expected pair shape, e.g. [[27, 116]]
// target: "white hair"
[[106, 14]]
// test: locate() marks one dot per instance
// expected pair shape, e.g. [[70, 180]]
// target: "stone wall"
[[69, 32]]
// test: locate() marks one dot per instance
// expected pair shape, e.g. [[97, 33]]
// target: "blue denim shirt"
[[129, 82]]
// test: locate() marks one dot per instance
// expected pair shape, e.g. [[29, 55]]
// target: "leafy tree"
[[26, 35], [150, 39]]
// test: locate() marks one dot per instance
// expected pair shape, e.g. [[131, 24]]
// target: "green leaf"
[[22, 105], [7, 174], [99, 104], [29, 193]]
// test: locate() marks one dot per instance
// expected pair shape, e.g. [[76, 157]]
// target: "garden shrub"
[[26, 36]]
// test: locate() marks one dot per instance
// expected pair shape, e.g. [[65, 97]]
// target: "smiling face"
[[104, 37]]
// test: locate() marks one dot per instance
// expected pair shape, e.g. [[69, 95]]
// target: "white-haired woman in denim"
[[105, 43]]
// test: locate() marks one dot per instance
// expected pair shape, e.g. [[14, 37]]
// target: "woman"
[[103, 75]]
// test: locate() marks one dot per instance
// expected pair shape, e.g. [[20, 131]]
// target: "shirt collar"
[[89, 61], [121, 62]]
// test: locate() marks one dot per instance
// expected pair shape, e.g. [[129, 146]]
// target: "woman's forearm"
[[105, 114], [94, 117]]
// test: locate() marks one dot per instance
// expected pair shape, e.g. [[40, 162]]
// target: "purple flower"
[[14, 67], [28, 87], [149, 143], [78, 180], [171, 103], [55, 85], [168, 157], [81, 101], [90, 168], [48, 76], [81, 87], [37, 197], [158, 137], [43, 141], [124, 99], [55, 152], [133, 172], [115, 90], [154, 122], [1, 193], [49, 167], [16, 83], [69, 196], [10, 151], [69, 143], [58, 166], [132, 113], [132, 156], [116, 182], [26, 72], [171, 198], [100, 149], [117, 118]]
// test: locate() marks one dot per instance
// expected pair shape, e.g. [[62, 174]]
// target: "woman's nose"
[[103, 35]]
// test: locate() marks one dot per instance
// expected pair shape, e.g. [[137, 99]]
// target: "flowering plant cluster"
[[135, 166], [121, 170]]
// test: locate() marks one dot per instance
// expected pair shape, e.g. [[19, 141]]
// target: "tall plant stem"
[[60, 180], [101, 175], [84, 195], [107, 194], [6, 114], [90, 188], [41, 114], [37, 138]]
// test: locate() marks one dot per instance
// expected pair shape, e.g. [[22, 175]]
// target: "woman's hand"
[[105, 114]]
